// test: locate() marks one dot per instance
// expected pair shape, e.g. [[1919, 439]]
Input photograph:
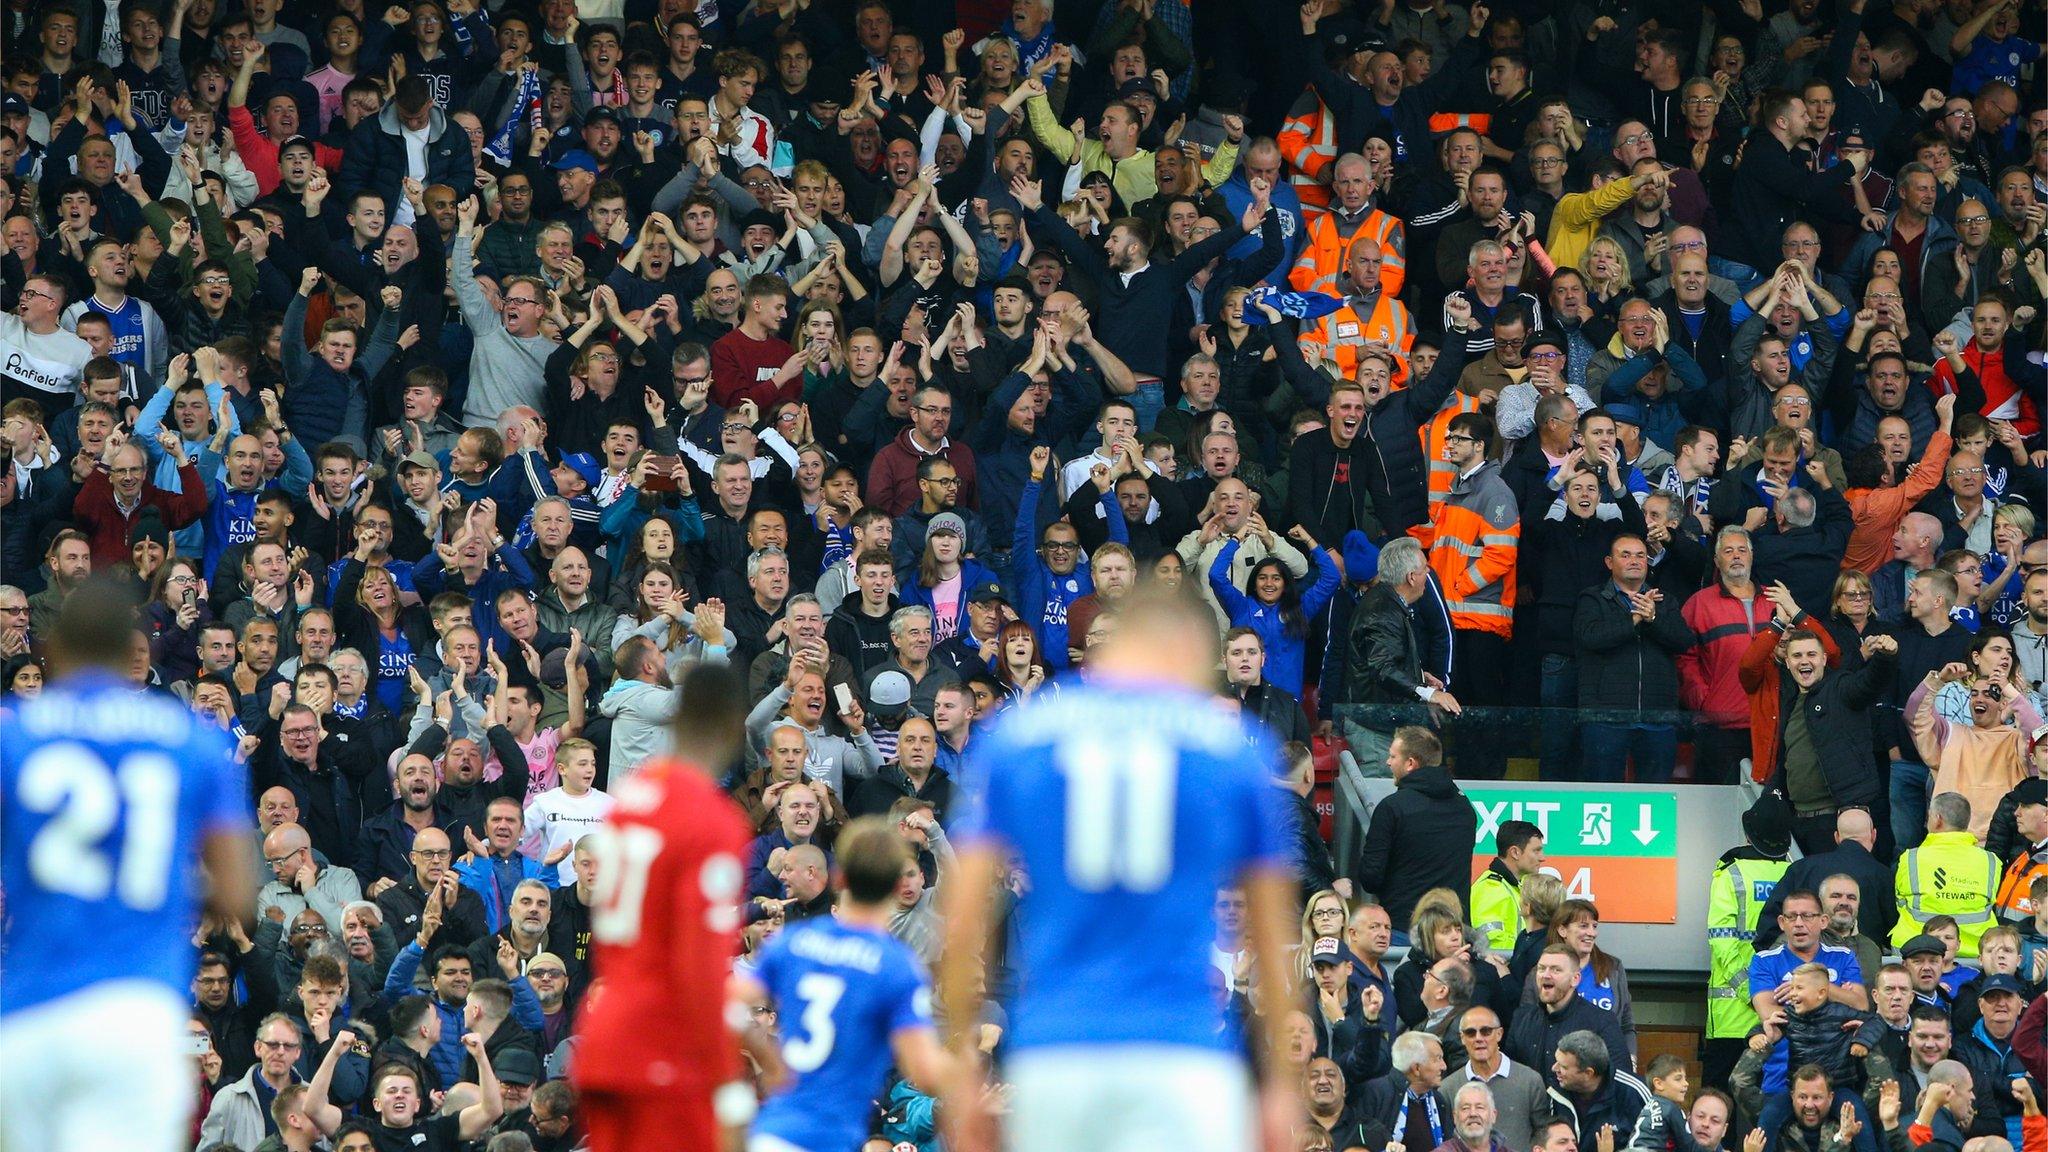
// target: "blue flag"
[[1300, 305]]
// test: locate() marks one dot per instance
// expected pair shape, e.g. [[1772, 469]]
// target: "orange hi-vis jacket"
[[1326, 252], [1441, 471], [1308, 144], [1343, 332], [1473, 538]]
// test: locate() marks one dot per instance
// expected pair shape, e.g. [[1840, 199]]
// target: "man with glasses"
[[506, 365], [1518, 1092], [16, 638], [893, 478], [240, 1113], [431, 903], [301, 882]]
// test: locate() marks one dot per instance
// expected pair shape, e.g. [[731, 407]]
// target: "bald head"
[[1855, 824], [285, 838]]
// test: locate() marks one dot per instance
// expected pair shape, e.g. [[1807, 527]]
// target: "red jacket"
[[892, 478], [1759, 673], [259, 152], [1707, 672], [1996, 378], [107, 527]]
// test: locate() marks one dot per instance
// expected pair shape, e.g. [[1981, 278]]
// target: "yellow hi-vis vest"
[[1740, 890], [1947, 875]]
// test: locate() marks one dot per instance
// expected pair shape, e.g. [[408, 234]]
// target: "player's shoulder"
[[97, 711], [830, 942], [1193, 721]]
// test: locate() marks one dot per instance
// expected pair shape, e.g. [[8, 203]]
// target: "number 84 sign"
[[1616, 847]]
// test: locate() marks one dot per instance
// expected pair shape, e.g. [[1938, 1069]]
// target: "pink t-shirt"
[[945, 609]]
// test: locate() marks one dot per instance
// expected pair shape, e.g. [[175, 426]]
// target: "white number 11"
[[1120, 802]]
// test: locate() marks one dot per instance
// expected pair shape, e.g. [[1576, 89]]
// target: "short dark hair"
[[1515, 835]]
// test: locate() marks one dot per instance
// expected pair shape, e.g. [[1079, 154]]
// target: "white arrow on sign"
[[1646, 829]]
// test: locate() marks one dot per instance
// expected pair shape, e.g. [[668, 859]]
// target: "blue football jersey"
[[105, 796], [841, 993], [1129, 807]]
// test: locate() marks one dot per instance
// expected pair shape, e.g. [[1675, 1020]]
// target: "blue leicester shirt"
[[105, 796], [130, 332], [841, 993], [1130, 806], [1768, 969]]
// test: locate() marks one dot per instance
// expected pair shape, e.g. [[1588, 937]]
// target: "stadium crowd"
[[448, 379]]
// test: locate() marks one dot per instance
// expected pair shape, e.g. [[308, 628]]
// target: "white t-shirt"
[[415, 167], [556, 818], [46, 366]]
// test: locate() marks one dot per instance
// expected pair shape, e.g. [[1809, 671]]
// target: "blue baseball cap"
[[576, 158], [584, 465]]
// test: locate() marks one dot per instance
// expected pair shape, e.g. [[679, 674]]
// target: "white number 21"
[[85, 798]]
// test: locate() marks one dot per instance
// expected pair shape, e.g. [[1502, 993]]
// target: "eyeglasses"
[[279, 1045], [432, 854], [1547, 162], [35, 294], [1893, 297], [14, 608], [309, 929], [545, 973], [1856, 594], [1062, 546], [759, 184], [1802, 917], [1700, 101], [933, 409], [274, 861], [511, 300], [736, 426], [688, 381], [1460, 438], [1965, 113], [1966, 471], [945, 481], [1689, 246], [1634, 139], [1977, 219], [1800, 245], [1508, 342], [215, 281], [1483, 1030], [603, 358]]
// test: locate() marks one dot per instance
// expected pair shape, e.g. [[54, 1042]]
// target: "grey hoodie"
[[505, 371]]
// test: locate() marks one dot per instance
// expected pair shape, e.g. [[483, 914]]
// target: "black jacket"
[[1839, 714], [1384, 655], [1623, 665], [1562, 556], [1389, 485], [1278, 708], [1617, 1104], [1773, 187], [1808, 559], [384, 844], [1404, 852], [405, 902], [1873, 877], [1533, 1034]]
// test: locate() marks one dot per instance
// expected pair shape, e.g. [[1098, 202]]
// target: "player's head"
[[95, 628], [871, 857], [711, 719], [1159, 636]]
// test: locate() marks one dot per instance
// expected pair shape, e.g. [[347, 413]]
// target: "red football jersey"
[[664, 927]]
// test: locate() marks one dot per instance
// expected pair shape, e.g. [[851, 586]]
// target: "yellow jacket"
[[1576, 220], [1948, 874], [1132, 177]]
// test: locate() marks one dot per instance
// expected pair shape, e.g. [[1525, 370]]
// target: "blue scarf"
[[528, 102], [1030, 51], [1300, 305]]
